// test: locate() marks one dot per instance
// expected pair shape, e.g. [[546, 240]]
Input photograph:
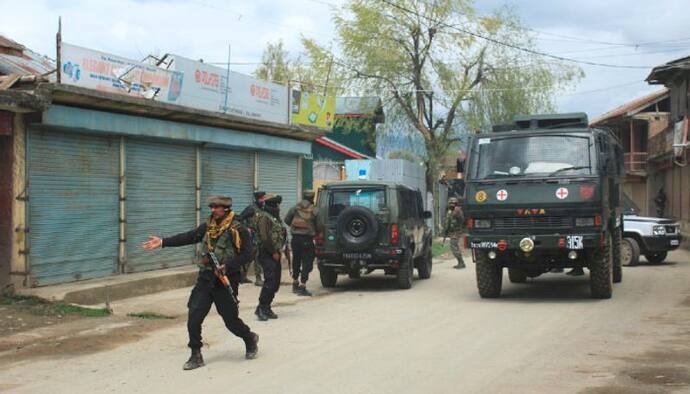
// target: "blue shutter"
[[278, 175], [161, 200], [73, 206], [227, 172]]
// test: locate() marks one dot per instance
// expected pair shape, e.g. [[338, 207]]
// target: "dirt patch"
[[21, 313], [91, 339], [686, 302], [613, 389], [664, 376]]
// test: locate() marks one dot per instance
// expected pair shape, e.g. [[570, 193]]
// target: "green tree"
[[417, 55], [274, 64]]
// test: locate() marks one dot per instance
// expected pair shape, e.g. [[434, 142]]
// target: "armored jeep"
[[543, 194], [371, 225]]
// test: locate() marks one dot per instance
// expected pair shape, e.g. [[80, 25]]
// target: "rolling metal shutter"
[[278, 174], [73, 206], [161, 200], [228, 172]]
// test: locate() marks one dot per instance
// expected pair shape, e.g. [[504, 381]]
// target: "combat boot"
[[195, 361], [295, 286], [459, 265], [259, 281], [269, 312], [260, 312], [302, 291], [251, 344]]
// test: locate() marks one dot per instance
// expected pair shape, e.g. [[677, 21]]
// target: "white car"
[[651, 237]]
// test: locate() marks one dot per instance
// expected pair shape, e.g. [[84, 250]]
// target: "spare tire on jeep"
[[357, 228]]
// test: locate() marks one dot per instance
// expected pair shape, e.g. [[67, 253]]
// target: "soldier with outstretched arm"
[[230, 242]]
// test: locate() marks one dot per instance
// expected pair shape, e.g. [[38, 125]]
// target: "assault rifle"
[[222, 277]]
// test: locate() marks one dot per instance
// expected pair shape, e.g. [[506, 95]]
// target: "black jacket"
[[196, 235]]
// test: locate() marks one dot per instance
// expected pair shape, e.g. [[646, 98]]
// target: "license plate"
[[357, 256], [674, 242]]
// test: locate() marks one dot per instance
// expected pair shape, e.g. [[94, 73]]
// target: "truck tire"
[[489, 276], [601, 271], [328, 276], [425, 264], [406, 271], [656, 258], [357, 228], [517, 275], [617, 263], [630, 252]]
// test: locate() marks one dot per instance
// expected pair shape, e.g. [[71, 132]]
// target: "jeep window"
[[409, 208], [532, 156], [374, 199], [629, 206]]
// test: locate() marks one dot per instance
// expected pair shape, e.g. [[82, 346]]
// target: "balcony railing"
[[635, 162]]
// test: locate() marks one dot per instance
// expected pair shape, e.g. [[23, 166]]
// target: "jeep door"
[[410, 218]]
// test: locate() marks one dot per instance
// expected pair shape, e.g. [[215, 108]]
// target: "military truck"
[[543, 194]]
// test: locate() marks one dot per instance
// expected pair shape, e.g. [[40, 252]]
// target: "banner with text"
[[110, 73], [205, 88]]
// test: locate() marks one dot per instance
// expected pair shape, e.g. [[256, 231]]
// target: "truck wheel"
[[424, 267], [630, 252], [601, 271], [489, 276], [656, 258], [617, 263], [405, 272], [328, 276], [517, 275]]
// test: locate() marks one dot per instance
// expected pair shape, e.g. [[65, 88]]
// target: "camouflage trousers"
[[456, 247]]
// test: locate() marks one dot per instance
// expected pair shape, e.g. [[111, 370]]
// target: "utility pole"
[[58, 47], [227, 80]]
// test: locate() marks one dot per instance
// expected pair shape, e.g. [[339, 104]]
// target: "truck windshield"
[[532, 156], [374, 199]]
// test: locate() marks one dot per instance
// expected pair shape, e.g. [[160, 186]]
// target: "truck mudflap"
[[536, 243]]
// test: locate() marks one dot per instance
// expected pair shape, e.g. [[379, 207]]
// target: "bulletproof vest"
[[277, 235], [304, 217], [454, 221], [222, 247]]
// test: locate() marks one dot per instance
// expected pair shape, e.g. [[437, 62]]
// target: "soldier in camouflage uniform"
[[453, 229], [223, 235], [302, 221], [272, 237], [248, 218]]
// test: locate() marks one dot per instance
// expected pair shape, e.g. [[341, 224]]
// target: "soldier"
[[272, 237], [302, 221], [248, 217], [223, 235], [453, 230]]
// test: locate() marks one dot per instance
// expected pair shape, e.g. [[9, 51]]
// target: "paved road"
[[440, 337]]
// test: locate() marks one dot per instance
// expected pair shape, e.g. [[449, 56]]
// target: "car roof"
[[364, 183]]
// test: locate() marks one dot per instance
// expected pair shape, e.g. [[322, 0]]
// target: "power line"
[[509, 45]]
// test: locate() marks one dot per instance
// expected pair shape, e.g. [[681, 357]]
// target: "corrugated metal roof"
[[660, 74], [631, 107], [28, 63]]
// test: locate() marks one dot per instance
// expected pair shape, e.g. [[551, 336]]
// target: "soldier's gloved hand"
[[276, 256]]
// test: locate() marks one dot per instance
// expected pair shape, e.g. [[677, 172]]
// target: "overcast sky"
[[590, 30]]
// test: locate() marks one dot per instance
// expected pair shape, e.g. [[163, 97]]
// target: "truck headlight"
[[482, 223], [584, 222], [659, 230]]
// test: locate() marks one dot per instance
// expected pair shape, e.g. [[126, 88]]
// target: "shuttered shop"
[[228, 172], [73, 206], [161, 200], [278, 174]]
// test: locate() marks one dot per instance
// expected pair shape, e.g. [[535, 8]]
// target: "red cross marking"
[[502, 195], [562, 193]]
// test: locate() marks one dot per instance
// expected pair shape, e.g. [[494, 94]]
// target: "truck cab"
[[544, 193]]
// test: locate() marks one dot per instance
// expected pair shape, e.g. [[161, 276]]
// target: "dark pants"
[[208, 290], [272, 273], [302, 256]]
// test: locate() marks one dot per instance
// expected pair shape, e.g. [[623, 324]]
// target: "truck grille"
[[534, 222]]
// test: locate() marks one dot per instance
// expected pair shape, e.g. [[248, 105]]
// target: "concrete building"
[[87, 175]]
